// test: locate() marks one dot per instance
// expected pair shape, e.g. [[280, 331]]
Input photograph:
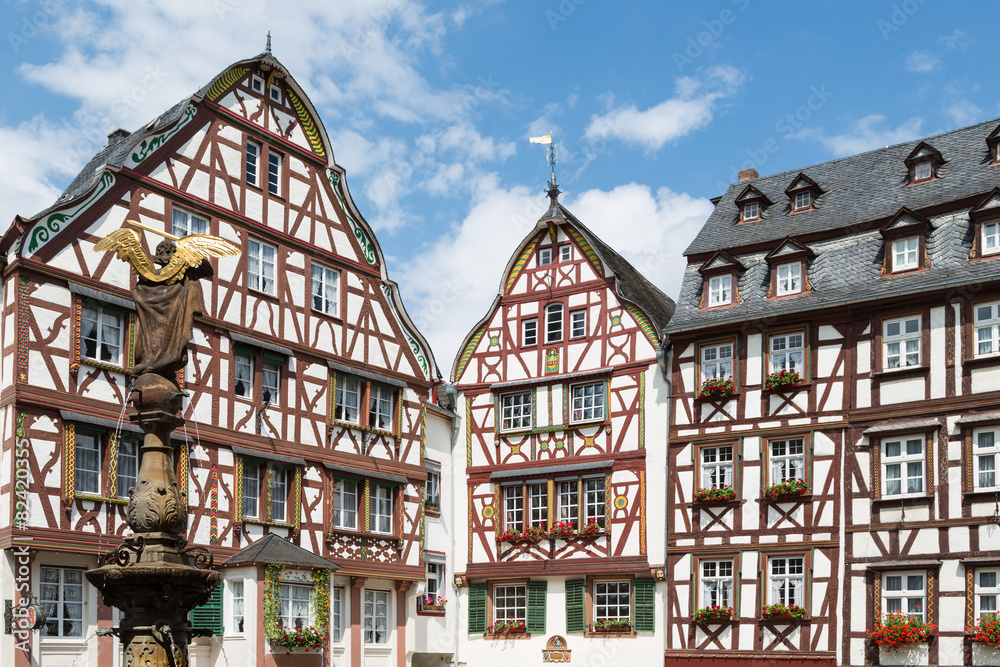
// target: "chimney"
[[120, 134], [748, 174]]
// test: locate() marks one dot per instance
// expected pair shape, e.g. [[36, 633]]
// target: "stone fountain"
[[153, 576]]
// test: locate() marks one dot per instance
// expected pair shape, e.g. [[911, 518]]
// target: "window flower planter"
[[986, 631], [432, 603], [507, 628], [563, 530], [714, 388], [510, 536], [897, 630], [787, 489], [431, 506], [782, 380], [782, 612], [713, 614], [608, 625], [534, 534], [716, 494], [293, 639], [593, 528]]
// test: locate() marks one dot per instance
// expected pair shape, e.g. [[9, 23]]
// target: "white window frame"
[[608, 604], [381, 407], [719, 358], [63, 601], [235, 607], [991, 237], [529, 331], [904, 466], [720, 290], [986, 591], [251, 162], [380, 510], [184, 223], [270, 379], [565, 253], [986, 328], [257, 263], [345, 503], [717, 466], [274, 164], [538, 505], [92, 442], [803, 200], [256, 83], [751, 211], [274, 93], [510, 602], [376, 616], [567, 500], [898, 345], [516, 411], [910, 600], [986, 458], [905, 254], [243, 365], [325, 296], [789, 278], [587, 402], [252, 494], [127, 472], [433, 488], [101, 317], [595, 501], [290, 592], [544, 256], [553, 323], [787, 459], [577, 323], [280, 483], [786, 577], [922, 171], [434, 576], [337, 613], [716, 582], [513, 507], [350, 391], [787, 352]]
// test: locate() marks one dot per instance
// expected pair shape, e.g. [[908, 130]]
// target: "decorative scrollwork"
[[203, 558], [121, 555]]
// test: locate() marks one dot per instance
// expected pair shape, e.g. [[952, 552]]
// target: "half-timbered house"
[[562, 450], [836, 404], [309, 388]]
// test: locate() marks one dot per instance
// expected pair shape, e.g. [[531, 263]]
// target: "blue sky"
[[429, 106]]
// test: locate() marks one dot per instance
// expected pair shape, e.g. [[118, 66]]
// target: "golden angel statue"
[[168, 298]]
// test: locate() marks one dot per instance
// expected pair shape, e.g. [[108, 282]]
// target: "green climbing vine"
[[321, 591], [272, 604]]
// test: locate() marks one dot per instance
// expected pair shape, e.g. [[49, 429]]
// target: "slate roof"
[[858, 192], [273, 550]]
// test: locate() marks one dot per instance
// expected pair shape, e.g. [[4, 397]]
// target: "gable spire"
[[267, 49]]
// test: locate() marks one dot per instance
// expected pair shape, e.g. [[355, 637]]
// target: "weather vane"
[[552, 157]]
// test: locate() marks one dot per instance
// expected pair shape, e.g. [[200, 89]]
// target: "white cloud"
[[957, 39], [922, 62], [964, 112], [865, 134], [690, 109], [451, 284], [32, 178]]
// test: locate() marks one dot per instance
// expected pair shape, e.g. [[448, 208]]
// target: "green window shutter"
[[536, 607], [209, 615], [575, 616], [477, 608], [644, 605]]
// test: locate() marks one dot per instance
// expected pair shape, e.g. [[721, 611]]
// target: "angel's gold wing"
[[128, 248]]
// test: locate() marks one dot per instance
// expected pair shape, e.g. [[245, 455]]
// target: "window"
[[538, 505], [595, 506], [345, 504], [243, 387], [261, 258], [567, 508], [803, 200], [787, 580], [565, 253], [922, 171], [274, 173], [380, 407], [716, 361], [612, 600], [271, 382], [716, 466], [257, 84], [904, 253], [87, 452], [337, 614], [236, 616], [252, 158], [252, 478], [720, 290], [101, 334], [279, 493], [128, 466], [787, 352], [544, 256], [788, 460], [986, 455], [904, 592], [376, 621], [185, 223], [578, 323], [751, 210], [789, 278], [716, 583], [293, 605], [325, 284], [529, 331], [62, 596], [275, 93], [435, 579], [987, 325], [901, 343], [991, 237], [380, 509], [515, 411], [513, 507], [510, 602], [347, 405], [553, 323], [903, 466], [588, 402], [433, 489], [986, 592]]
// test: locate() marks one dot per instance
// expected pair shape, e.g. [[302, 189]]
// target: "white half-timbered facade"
[[309, 387]]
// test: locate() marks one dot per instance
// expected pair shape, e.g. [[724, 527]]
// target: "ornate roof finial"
[[553, 190], [267, 49]]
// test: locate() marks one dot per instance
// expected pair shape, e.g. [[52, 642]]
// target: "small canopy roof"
[[274, 550]]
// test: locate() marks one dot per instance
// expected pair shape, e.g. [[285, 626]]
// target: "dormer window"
[[720, 274], [803, 201], [904, 254], [905, 242], [923, 162], [751, 211], [720, 290], [789, 278], [752, 203], [991, 238], [993, 141], [788, 262], [802, 193], [923, 171], [986, 225]]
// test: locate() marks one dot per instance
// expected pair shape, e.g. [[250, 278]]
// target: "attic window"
[[257, 84], [922, 171], [803, 201], [275, 93], [751, 211], [923, 162]]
